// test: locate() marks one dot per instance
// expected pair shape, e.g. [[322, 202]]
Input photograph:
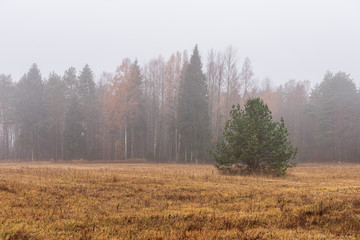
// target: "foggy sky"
[[284, 39]]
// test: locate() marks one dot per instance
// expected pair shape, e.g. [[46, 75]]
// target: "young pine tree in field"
[[253, 142]]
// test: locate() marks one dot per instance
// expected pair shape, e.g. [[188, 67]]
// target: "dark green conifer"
[[74, 134], [193, 121], [253, 142]]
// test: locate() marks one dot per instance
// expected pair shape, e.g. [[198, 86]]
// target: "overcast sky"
[[284, 39]]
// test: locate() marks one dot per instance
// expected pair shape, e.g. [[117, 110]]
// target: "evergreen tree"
[[333, 114], [87, 100], [193, 121], [138, 126], [253, 142], [55, 107], [71, 83], [30, 112], [6, 114], [74, 134], [85, 86]]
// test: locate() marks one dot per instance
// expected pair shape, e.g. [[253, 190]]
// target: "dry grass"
[[143, 201]]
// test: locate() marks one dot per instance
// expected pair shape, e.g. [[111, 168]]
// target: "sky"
[[284, 39]]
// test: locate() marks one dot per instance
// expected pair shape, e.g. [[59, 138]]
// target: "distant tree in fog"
[[55, 107], [246, 78], [71, 83], [124, 109], [86, 90], [231, 80], [193, 119], [6, 114], [30, 113], [334, 114], [74, 132]]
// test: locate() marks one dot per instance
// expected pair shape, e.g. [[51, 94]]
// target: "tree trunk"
[[132, 141], [155, 139], [185, 155], [125, 140], [6, 132], [176, 145]]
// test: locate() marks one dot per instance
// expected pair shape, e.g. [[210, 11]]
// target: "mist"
[[169, 110], [284, 40]]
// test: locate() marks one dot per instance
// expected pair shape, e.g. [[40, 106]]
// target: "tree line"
[[171, 110]]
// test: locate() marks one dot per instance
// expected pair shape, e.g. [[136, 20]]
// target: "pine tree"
[[193, 121], [253, 142]]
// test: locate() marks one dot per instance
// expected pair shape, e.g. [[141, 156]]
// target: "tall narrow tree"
[[122, 106], [87, 100], [193, 118], [55, 106], [6, 114], [74, 133], [246, 78], [71, 83], [30, 113]]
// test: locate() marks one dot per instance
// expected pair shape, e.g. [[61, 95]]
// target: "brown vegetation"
[[144, 201]]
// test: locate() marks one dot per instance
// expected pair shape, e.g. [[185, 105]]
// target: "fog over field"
[[284, 39]]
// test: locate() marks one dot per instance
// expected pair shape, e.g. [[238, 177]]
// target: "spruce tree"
[[87, 99], [138, 126], [71, 83], [193, 121], [253, 142], [334, 110], [6, 114], [55, 108], [86, 86], [74, 134], [29, 111]]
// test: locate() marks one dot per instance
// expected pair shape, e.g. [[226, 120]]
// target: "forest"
[[169, 110]]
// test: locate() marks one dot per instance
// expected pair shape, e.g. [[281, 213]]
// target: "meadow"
[[169, 201]]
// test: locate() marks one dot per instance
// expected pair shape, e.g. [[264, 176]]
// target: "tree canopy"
[[170, 110]]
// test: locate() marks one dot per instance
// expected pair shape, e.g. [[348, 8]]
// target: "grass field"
[[163, 201]]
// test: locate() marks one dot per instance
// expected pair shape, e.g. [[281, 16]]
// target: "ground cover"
[[168, 201]]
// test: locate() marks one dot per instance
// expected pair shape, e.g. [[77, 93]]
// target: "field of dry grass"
[[163, 201]]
